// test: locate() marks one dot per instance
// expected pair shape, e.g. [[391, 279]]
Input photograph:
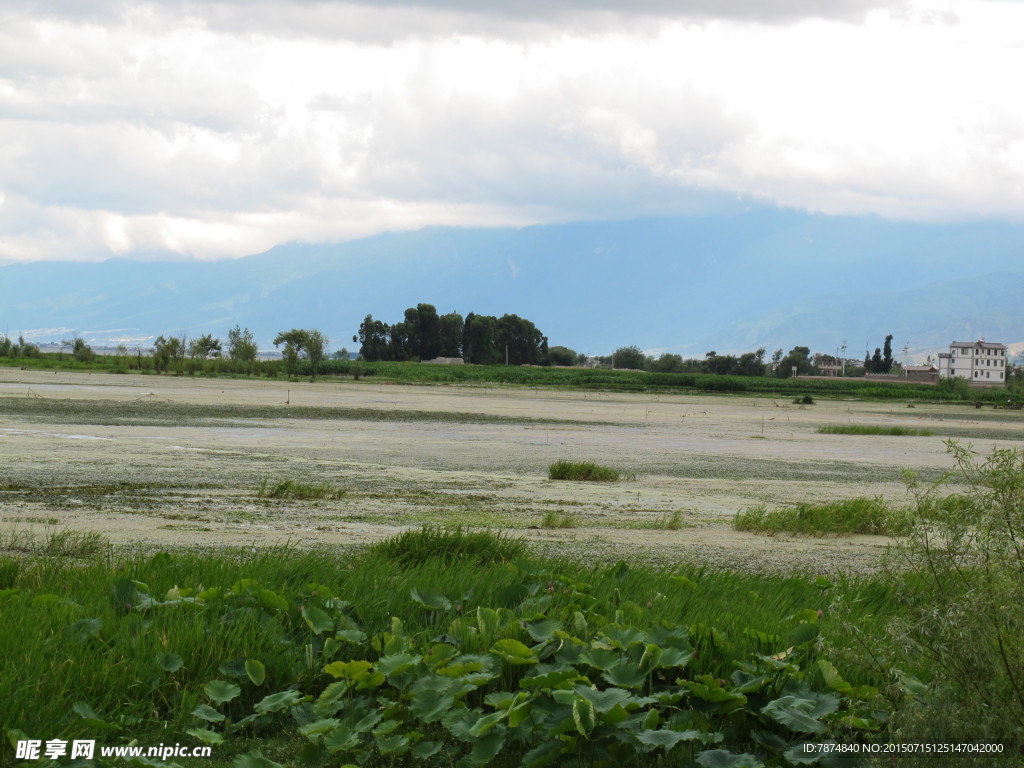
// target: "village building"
[[980, 362], [924, 374]]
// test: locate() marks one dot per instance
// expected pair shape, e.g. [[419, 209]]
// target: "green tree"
[[721, 365], [519, 341], [478, 339], [750, 364], [80, 349], [561, 356], [887, 355], [315, 344], [241, 346], [169, 353], [299, 342], [373, 340], [798, 358], [293, 341], [204, 347], [668, 363], [877, 363], [628, 357], [452, 328], [428, 332]]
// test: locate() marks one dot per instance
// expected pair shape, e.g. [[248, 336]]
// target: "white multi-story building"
[[980, 362]]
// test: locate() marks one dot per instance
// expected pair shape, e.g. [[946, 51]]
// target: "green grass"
[[290, 489], [584, 470], [852, 516], [558, 378], [872, 429], [138, 637]]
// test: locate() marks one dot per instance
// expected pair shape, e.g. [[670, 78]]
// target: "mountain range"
[[763, 278]]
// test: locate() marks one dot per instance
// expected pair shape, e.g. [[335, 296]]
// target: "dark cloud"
[[391, 20]]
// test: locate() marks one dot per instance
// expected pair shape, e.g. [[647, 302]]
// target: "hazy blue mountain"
[[732, 283]]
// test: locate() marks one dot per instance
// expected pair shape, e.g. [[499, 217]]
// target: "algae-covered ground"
[[168, 461]]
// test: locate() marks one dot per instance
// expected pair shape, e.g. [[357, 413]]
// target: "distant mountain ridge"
[[731, 283]]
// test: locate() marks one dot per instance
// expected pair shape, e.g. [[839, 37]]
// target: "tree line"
[[422, 334]]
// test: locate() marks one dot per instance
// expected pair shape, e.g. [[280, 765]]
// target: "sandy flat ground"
[[696, 458]]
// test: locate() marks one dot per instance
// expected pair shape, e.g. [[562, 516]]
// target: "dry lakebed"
[[163, 462]]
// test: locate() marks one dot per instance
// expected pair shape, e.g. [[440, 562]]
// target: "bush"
[[961, 575]]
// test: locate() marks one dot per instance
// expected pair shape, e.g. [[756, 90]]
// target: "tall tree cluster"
[[423, 334]]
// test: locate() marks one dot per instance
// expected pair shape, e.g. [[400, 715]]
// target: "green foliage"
[[798, 358], [583, 470], [629, 357], [561, 356], [290, 489], [309, 344], [80, 349], [169, 354], [851, 516], [960, 573], [204, 347], [872, 429], [804, 400], [241, 346], [370, 661]]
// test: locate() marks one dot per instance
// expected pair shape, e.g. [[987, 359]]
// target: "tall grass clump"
[[583, 470], [554, 519], [872, 429], [851, 516], [447, 546], [289, 489]]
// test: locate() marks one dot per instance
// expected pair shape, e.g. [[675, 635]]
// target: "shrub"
[[960, 573], [584, 470]]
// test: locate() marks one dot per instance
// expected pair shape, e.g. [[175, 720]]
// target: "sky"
[[220, 129]]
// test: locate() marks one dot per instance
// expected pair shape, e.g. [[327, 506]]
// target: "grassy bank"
[[596, 379]]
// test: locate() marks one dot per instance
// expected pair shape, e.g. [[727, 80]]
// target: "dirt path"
[[406, 455]]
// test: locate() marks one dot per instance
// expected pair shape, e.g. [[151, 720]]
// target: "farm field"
[[178, 462]]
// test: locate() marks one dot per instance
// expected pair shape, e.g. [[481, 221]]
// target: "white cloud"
[[223, 129]]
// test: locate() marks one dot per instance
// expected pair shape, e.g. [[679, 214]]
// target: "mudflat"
[[164, 461]]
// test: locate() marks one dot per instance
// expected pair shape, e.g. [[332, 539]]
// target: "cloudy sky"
[[219, 129]]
